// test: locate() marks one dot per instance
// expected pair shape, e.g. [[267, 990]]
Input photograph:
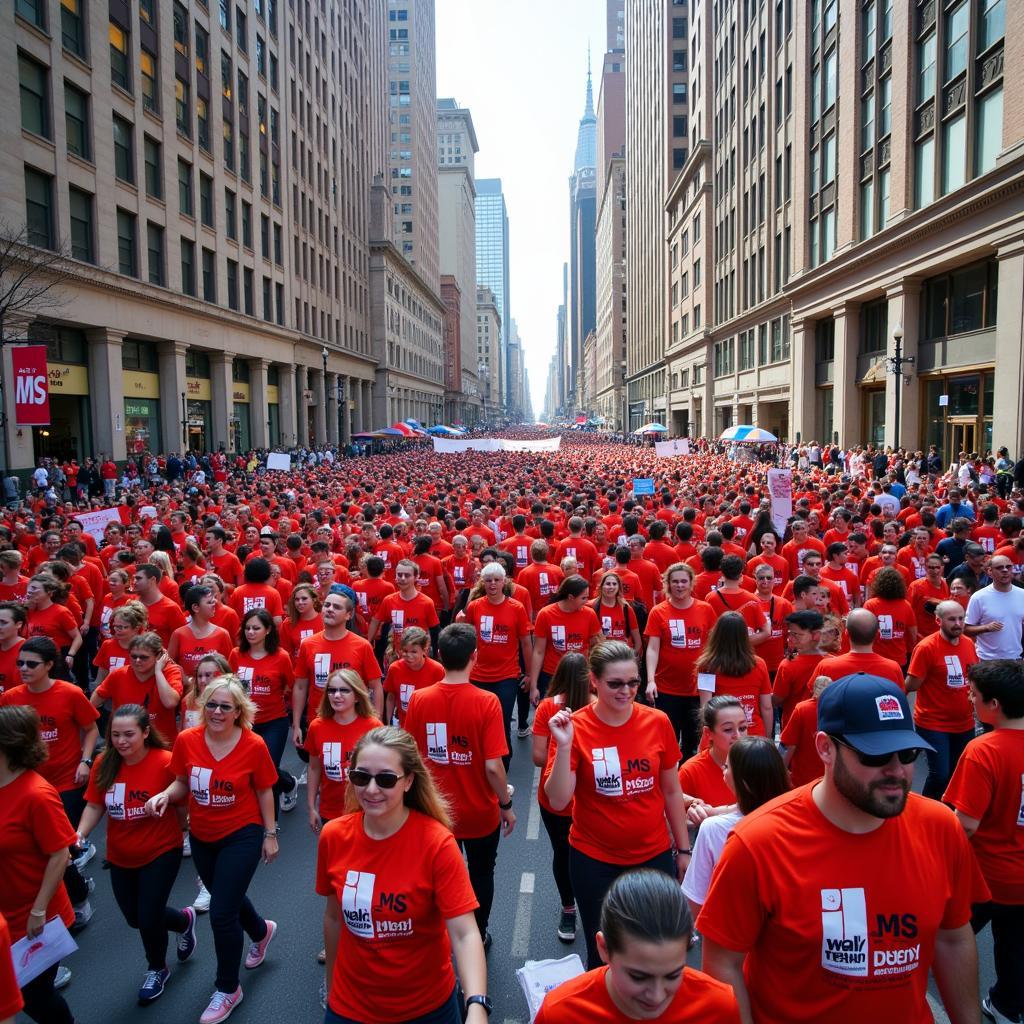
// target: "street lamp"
[[895, 365], [625, 402]]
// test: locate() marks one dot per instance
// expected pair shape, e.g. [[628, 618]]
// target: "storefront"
[[273, 416], [958, 413], [199, 413], [141, 412], [68, 433], [874, 417], [241, 427]]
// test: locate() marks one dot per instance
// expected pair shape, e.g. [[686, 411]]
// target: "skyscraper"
[[492, 264]]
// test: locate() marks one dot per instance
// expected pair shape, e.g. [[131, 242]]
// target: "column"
[[173, 411], [223, 404], [845, 394], [802, 398], [346, 412], [903, 314], [1008, 421], [904, 87], [259, 428], [286, 404], [318, 384], [332, 407], [302, 404], [106, 393], [366, 405]]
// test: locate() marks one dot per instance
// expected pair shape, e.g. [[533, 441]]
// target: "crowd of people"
[[725, 702]]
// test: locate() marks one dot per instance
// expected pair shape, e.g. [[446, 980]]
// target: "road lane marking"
[[533, 821], [526, 884], [524, 913]]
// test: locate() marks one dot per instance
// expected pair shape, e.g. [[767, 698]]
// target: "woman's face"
[[643, 977], [127, 737], [143, 662], [679, 585], [610, 587], [415, 655], [255, 631], [303, 601], [376, 801], [205, 674], [339, 693], [221, 710], [618, 684], [730, 726], [8, 626], [121, 629], [116, 583], [207, 606], [35, 595]]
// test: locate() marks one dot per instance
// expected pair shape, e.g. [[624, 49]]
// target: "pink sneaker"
[[258, 950], [221, 1006]]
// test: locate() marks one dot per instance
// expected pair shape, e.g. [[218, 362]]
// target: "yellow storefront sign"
[[138, 384], [65, 379], [198, 388], [272, 397]]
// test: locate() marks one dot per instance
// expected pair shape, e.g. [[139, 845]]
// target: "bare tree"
[[30, 278]]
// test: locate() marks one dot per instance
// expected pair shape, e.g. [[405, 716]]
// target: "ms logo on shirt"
[[437, 742], [607, 771], [357, 903], [199, 784]]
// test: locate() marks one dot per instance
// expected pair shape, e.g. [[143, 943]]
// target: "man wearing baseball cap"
[[834, 901]]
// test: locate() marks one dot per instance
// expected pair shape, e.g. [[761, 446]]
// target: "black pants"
[[684, 714], [557, 826], [43, 1003], [481, 856], [505, 691], [1007, 920], [77, 887], [142, 895], [275, 734], [591, 879], [226, 868]]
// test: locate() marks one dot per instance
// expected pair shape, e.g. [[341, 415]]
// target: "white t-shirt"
[[884, 501], [707, 848], [990, 605]]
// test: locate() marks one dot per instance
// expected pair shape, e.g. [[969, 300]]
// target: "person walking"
[[995, 614]]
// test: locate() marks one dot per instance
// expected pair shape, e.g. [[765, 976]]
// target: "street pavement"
[[108, 967]]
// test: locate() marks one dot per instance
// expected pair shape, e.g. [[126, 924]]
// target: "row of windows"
[[764, 345]]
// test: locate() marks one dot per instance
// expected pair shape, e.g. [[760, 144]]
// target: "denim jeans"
[[942, 762], [1007, 920], [505, 690], [447, 1013], [275, 734]]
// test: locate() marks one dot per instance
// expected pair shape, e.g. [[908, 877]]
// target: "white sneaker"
[[88, 852], [290, 800], [201, 904], [302, 779], [186, 846], [83, 915], [992, 1013], [63, 978]]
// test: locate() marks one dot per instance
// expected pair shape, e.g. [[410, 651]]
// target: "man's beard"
[[866, 798]]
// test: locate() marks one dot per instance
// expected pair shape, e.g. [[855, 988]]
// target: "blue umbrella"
[[747, 433]]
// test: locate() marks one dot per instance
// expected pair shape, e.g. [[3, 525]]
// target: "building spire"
[[586, 140], [589, 112]]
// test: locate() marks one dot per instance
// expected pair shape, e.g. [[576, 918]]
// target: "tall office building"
[[492, 263], [210, 168], [489, 351], [656, 149], [856, 182], [412, 133]]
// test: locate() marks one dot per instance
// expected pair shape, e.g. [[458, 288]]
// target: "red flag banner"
[[31, 387]]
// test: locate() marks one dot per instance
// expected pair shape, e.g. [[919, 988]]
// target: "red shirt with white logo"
[[943, 702], [499, 628], [747, 689], [123, 686], [564, 632], [267, 679], [683, 633], [370, 593], [542, 580], [402, 682], [222, 793], [400, 614], [319, 657], [701, 776], [894, 617], [256, 595], [333, 743], [291, 636]]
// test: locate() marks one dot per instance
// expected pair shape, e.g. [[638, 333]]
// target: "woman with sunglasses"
[[391, 959], [266, 672], [344, 716], [150, 678], [616, 760], [144, 852], [225, 771]]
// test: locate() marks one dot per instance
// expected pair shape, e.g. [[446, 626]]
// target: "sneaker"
[[87, 851], [186, 846], [302, 779], [567, 925], [187, 940], [201, 904], [258, 950], [988, 1008], [83, 915], [511, 790], [153, 986], [63, 978], [523, 732], [289, 801], [221, 1006]]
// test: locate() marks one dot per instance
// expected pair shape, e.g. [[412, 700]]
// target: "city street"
[[109, 966]]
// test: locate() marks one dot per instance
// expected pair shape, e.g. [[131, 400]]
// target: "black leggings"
[[684, 714], [43, 1003], [591, 879], [77, 887], [275, 734], [505, 691], [481, 855], [142, 895], [557, 826]]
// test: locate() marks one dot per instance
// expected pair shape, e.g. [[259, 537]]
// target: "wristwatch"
[[87, 761], [505, 807], [483, 1001]]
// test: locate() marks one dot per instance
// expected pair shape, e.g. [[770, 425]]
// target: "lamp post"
[[184, 422], [896, 362], [625, 402]]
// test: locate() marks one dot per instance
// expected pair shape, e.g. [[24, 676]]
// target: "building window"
[[39, 208], [264, 236], [246, 224], [76, 121], [147, 71], [186, 203], [926, 68], [155, 253], [988, 131], [81, 225], [182, 108], [153, 168], [954, 153], [229, 145], [33, 11], [120, 69], [209, 277], [72, 28], [188, 267], [831, 77], [181, 40], [962, 301], [35, 109], [203, 124], [206, 199], [957, 22], [232, 284], [992, 22], [230, 219], [247, 296], [244, 163], [124, 155], [126, 259], [202, 51], [241, 30]]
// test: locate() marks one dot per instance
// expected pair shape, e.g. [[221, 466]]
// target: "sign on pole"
[[780, 490], [31, 387], [642, 485]]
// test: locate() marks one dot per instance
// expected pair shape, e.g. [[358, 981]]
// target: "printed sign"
[[643, 485], [31, 386]]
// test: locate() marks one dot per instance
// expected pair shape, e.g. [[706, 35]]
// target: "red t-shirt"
[[839, 665], [123, 686], [370, 593], [519, 548], [56, 622], [943, 702], [460, 570], [192, 650], [9, 674], [773, 650], [292, 636], [798, 732], [256, 595], [401, 614], [426, 579], [564, 632], [701, 776], [33, 827], [777, 564], [542, 716], [402, 682], [333, 743], [794, 681], [826, 937], [133, 838], [222, 794], [987, 785], [164, 618], [617, 621], [227, 567], [683, 633], [583, 550], [893, 619], [747, 688], [319, 657], [499, 628], [111, 655], [394, 959], [228, 619], [619, 808], [700, 999], [11, 1002], [458, 727], [14, 591], [64, 713], [542, 580], [267, 679]]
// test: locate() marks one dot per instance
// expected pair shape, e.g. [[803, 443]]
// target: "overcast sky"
[[520, 66]]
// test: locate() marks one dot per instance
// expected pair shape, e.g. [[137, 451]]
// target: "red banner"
[[31, 387]]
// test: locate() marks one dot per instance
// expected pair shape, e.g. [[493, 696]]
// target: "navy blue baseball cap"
[[870, 714]]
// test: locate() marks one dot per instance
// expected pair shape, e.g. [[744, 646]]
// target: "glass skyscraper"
[[492, 260]]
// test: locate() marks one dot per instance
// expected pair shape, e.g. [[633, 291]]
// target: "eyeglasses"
[[385, 780], [338, 691], [141, 657], [213, 705], [880, 760], [618, 684], [21, 663]]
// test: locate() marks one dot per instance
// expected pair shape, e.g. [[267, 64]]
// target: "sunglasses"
[[213, 705], [338, 691], [880, 760], [385, 780], [141, 657], [618, 684], [21, 663]]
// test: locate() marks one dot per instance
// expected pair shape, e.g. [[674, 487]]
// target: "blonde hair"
[[162, 561], [349, 676], [230, 682], [133, 613], [678, 567], [422, 795]]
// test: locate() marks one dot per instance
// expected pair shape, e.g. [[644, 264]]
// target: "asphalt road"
[[108, 967]]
